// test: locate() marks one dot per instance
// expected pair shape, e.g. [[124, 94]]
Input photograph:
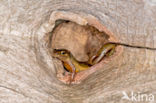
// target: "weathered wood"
[[27, 73]]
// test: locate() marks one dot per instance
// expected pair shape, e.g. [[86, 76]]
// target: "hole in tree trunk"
[[82, 41]]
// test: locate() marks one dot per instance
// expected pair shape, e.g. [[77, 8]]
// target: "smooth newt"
[[74, 66]]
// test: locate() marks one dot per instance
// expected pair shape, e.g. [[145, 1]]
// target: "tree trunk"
[[27, 73]]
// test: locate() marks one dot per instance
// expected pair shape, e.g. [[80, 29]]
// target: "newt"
[[70, 62], [74, 66]]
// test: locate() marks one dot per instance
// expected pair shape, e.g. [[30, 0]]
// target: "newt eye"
[[62, 52]]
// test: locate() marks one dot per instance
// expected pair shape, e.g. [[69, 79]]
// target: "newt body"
[[107, 49]]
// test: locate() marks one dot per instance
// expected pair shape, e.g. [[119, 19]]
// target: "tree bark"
[[27, 73]]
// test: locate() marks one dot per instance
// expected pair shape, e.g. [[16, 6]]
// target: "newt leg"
[[73, 71]]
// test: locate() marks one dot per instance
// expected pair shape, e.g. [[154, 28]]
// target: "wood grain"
[[27, 73]]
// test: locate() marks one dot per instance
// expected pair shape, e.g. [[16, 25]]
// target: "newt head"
[[62, 54]]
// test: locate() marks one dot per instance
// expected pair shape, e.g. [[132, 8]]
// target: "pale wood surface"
[[27, 74]]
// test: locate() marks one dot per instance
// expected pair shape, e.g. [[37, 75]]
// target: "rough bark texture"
[[27, 73]]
